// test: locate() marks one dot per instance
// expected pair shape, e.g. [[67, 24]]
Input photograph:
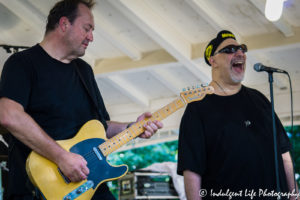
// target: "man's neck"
[[225, 89], [55, 48]]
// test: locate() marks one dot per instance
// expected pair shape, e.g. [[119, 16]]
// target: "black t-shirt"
[[52, 93], [228, 141]]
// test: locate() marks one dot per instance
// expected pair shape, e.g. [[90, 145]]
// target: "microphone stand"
[[274, 133]]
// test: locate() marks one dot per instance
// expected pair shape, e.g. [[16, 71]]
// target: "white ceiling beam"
[[26, 13], [157, 58], [170, 81], [211, 15], [6, 36], [128, 89], [160, 31], [118, 41], [106, 29], [200, 9], [281, 24]]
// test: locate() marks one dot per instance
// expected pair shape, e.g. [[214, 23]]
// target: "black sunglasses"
[[233, 48]]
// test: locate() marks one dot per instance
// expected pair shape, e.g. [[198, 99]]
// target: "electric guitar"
[[91, 143]]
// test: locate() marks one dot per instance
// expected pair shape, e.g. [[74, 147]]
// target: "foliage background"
[[143, 157], [295, 141]]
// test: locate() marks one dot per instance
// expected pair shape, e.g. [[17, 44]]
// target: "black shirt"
[[52, 93], [228, 140]]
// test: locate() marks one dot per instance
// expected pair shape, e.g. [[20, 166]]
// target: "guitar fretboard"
[[136, 129]]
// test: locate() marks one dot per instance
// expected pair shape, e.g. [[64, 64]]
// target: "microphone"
[[260, 67]]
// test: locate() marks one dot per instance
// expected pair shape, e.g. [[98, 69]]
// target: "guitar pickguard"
[[100, 170]]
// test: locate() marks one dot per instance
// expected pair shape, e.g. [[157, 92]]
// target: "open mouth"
[[238, 66]]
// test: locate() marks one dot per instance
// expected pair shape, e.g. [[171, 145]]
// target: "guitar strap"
[[88, 91]]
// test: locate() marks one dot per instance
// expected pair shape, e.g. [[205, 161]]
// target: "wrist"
[[60, 156], [129, 124]]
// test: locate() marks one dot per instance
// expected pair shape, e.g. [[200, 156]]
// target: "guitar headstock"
[[196, 93]]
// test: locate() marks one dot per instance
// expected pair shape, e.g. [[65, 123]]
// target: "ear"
[[64, 23], [212, 61]]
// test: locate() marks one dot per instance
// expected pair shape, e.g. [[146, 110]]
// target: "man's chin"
[[237, 79], [81, 53]]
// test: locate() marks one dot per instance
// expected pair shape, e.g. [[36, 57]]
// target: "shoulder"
[[194, 108], [24, 55], [21, 60], [256, 95], [29, 52], [255, 92], [83, 64], [251, 90], [85, 69]]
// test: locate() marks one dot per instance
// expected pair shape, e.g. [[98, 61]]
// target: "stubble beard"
[[237, 78]]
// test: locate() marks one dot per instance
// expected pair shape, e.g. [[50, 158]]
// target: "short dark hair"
[[65, 8]]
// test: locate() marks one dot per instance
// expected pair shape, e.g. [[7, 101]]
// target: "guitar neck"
[[136, 129]]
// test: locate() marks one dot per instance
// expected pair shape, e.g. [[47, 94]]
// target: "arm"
[[192, 185], [24, 128], [289, 172], [114, 128]]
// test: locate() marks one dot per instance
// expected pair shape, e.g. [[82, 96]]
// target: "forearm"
[[32, 135], [113, 128], [25, 129], [192, 185], [289, 172]]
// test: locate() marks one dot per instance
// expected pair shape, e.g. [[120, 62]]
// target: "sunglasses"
[[233, 49]]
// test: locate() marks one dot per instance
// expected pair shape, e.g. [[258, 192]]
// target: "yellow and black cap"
[[214, 43]]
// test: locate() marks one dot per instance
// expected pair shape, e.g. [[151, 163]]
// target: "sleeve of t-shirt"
[[191, 143], [16, 79]]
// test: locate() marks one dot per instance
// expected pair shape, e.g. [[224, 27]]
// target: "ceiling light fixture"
[[273, 9]]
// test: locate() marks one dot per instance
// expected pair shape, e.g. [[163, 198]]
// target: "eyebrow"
[[91, 26]]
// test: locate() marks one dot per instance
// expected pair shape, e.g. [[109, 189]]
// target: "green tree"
[[143, 157], [295, 141]]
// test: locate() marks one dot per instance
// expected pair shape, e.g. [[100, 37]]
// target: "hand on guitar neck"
[[150, 126]]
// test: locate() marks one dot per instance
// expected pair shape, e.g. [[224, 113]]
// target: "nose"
[[90, 36], [239, 52]]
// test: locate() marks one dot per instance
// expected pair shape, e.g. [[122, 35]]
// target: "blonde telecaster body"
[[53, 185]]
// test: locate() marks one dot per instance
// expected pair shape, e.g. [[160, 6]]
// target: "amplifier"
[[147, 185]]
